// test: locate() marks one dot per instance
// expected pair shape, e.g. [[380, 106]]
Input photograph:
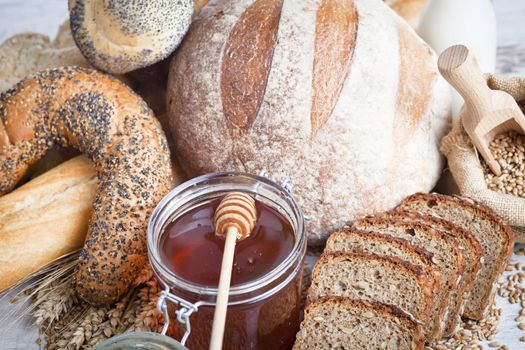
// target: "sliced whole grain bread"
[[343, 323], [372, 277], [445, 248], [472, 252], [495, 237], [357, 241]]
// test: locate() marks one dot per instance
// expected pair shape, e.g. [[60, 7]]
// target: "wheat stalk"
[[39, 284], [71, 324]]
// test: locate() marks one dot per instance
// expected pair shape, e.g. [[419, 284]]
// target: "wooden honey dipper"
[[235, 219]]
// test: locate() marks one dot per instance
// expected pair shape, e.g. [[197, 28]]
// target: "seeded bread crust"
[[390, 314], [121, 36], [111, 125], [472, 251], [452, 275], [476, 312], [339, 242], [422, 278]]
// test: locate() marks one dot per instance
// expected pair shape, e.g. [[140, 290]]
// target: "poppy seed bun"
[[111, 125], [121, 36]]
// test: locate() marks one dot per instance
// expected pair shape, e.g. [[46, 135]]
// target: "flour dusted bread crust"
[[494, 236], [121, 36], [106, 121], [337, 322], [340, 97]]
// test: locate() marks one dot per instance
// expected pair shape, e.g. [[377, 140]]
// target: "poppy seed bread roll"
[[112, 126], [121, 36]]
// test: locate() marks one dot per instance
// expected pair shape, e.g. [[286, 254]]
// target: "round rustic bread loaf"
[[340, 97]]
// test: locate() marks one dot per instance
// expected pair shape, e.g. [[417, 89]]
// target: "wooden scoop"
[[488, 112], [235, 218]]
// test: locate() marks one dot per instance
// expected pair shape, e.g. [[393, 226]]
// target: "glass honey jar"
[[185, 254]]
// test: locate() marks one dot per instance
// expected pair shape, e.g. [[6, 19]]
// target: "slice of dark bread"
[[351, 240], [495, 237], [343, 323], [372, 277], [472, 252], [445, 248]]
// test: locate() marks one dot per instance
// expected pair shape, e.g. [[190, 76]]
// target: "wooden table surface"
[[44, 16]]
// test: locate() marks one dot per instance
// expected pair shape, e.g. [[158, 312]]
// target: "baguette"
[[198, 5], [410, 10], [45, 219]]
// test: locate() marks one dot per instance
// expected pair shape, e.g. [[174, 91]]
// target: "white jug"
[[468, 22]]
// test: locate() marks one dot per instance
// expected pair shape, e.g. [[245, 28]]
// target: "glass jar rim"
[[248, 287], [140, 340]]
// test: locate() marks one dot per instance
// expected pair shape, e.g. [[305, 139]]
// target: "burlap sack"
[[466, 169]]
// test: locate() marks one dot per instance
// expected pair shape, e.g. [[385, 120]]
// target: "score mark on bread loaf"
[[335, 36], [246, 62], [416, 77]]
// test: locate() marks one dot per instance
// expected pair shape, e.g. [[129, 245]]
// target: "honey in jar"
[[186, 254], [194, 251]]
